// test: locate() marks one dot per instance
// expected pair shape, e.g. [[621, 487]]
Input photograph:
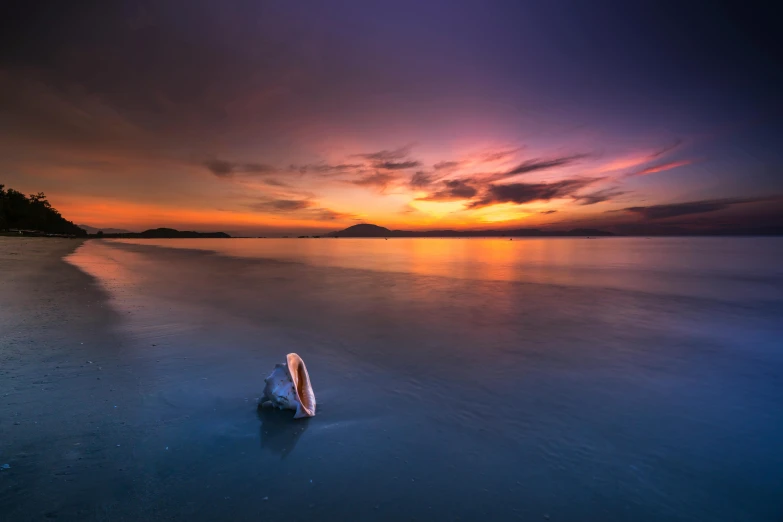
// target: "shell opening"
[[304, 390]]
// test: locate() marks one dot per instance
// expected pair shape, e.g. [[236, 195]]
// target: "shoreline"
[[58, 372]]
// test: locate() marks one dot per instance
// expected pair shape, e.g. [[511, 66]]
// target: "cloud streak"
[[668, 148], [453, 189], [421, 179], [490, 157], [379, 180], [394, 159], [520, 193], [599, 196], [655, 212], [661, 167], [446, 165], [305, 209], [325, 168], [469, 187], [537, 164], [396, 165], [224, 169]]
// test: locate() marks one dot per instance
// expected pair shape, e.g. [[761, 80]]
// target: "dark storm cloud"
[[520, 193], [223, 168], [671, 210], [452, 189], [535, 165], [598, 196]]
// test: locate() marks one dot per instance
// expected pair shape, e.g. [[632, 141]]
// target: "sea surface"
[[563, 379]]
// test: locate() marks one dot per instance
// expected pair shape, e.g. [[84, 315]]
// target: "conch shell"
[[288, 387]]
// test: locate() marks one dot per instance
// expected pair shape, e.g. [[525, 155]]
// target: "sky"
[[275, 117]]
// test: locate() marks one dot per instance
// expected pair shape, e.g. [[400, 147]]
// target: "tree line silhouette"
[[34, 213]]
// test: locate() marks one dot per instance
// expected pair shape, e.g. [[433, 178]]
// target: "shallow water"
[[574, 379]]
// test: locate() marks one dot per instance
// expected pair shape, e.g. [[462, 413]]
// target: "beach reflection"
[[672, 265], [456, 373], [279, 431]]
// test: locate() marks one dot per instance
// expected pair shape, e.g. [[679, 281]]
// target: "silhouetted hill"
[[586, 232], [33, 214], [364, 230], [368, 230], [95, 230], [165, 233]]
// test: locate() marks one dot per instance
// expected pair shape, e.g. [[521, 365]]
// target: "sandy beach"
[[59, 383], [456, 380], [90, 431]]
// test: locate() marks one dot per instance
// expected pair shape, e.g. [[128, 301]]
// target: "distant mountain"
[[368, 230], [164, 233], [364, 230], [94, 230]]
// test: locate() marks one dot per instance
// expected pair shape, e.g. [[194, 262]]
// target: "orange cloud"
[[638, 159], [623, 163], [662, 167], [136, 216]]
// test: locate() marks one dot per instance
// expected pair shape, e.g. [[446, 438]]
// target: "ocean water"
[[563, 379]]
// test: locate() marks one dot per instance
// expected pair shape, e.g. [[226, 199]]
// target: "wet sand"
[[59, 384], [153, 416], [132, 396], [99, 425]]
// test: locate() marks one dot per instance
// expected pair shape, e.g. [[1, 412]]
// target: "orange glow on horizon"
[[289, 201]]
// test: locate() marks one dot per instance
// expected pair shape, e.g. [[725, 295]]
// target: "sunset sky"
[[274, 117]]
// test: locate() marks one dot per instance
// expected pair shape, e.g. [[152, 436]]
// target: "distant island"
[[161, 233], [33, 215], [95, 230], [369, 230]]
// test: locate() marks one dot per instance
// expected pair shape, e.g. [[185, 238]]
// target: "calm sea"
[[623, 379]]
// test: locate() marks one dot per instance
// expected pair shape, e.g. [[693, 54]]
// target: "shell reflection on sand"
[[278, 434]]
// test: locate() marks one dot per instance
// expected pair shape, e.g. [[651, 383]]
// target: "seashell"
[[288, 387]]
